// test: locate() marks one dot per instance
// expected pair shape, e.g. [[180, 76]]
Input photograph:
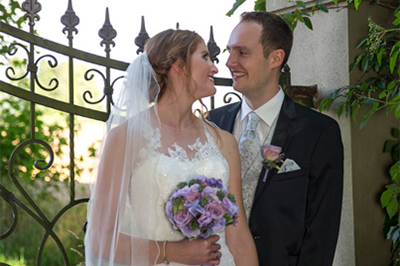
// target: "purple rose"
[[183, 218], [205, 219], [215, 183], [231, 207], [202, 178], [190, 233], [209, 191], [169, 208], [195, 187], [219, 226], [192, 197], [182, 192], [206, 234], [216, 210], [194, 208]]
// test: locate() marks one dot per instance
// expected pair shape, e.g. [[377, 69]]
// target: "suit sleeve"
[[324, 199]]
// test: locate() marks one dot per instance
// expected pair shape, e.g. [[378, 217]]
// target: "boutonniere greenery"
[[273, 158]]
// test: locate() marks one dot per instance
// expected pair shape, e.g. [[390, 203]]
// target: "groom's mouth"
[[237, 74]]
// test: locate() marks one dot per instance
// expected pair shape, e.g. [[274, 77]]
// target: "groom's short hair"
[[276, 34]]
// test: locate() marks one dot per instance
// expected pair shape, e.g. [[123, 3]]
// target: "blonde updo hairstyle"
[[165, 48]]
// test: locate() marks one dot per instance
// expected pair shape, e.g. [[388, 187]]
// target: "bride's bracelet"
[[165, 254]]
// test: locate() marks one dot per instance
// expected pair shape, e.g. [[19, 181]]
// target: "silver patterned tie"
[[250, 159]]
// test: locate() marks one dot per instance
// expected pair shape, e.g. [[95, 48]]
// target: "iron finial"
[[70, 20], [107, 33], [141, 39], [213, 49], [31, 7]]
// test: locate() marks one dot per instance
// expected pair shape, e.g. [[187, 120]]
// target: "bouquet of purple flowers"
[[201, 207]]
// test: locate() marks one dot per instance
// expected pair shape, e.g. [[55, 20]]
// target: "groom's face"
[[250, 70]]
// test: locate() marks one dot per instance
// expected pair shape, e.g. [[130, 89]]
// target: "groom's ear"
[[277, 57]]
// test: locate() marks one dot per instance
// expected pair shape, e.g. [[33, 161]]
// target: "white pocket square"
[[288, 166]]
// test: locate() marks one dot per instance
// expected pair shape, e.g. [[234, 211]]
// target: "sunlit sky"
[[125, 17]]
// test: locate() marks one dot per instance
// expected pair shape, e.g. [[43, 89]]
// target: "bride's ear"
[[179, 67]]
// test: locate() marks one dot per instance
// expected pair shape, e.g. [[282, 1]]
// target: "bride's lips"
[[211, 78]]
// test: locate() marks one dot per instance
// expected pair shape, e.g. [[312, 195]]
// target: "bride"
[[154, 142]]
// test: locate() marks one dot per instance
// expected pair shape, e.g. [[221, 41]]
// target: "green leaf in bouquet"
[[202, 187], [231, 198], [182, 185], [228, 219], [193, 225], [203, 230], [203, 202], [220, 195]]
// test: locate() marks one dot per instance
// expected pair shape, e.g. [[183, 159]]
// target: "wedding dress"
[[161, 172], [139, 165]]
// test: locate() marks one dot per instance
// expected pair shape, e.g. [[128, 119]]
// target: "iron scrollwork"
[[228, 98]]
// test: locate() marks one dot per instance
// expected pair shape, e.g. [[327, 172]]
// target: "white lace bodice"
[[160, 173]]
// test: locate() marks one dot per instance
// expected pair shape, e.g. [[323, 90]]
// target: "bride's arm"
[[106, 241], [238, 238]]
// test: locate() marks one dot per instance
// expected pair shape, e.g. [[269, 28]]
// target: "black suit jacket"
[[296, 215]]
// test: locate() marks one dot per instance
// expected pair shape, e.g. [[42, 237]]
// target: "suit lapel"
[[281, 138], [228, 119]]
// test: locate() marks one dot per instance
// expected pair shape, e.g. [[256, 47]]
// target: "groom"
[[293, 213]]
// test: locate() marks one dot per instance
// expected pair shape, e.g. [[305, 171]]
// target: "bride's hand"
[[195, 252]]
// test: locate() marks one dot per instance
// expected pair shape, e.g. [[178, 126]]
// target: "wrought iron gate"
[[15, 196]]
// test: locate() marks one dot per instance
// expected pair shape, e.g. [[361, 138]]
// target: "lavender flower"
[[201, 207]]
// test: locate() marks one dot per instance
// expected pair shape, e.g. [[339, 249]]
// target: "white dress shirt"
[[268, 112]]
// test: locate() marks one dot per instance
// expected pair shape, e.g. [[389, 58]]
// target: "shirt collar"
[[268, 111]]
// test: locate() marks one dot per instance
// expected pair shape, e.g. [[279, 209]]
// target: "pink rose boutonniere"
[[272, 157]]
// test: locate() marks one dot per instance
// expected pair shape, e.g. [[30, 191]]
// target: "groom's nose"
[[232, 60]]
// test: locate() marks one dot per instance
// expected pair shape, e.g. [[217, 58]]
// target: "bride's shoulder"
[[223, 137], [117, 135]]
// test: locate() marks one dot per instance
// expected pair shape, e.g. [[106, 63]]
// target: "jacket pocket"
[[289, 175]]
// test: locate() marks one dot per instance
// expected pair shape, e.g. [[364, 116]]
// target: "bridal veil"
[[117, 231]]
